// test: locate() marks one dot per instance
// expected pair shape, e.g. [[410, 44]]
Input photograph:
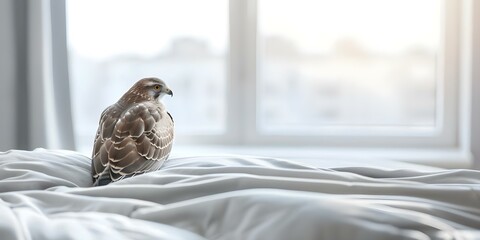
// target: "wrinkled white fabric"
[[48, 195]]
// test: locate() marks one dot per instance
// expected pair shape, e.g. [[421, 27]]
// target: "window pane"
[[114, 43], [348, 63]]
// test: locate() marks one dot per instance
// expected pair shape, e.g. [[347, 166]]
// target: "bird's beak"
[[169, 92]]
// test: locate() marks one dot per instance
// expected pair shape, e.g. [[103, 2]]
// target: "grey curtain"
[[34, 88]]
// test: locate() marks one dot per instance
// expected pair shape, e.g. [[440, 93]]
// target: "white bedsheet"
[[47, 195]]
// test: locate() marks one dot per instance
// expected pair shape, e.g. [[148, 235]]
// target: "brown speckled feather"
[[132, 138]]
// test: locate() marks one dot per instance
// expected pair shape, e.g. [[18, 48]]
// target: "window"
[[320, 73], [344, 63], [183, 42], [354, 73]]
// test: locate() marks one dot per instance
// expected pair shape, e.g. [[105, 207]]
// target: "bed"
[[47, 194]]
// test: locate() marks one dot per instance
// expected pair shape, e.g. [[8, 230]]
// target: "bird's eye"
[[156, 87]]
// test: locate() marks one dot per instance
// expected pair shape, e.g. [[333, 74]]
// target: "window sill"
[[444, 158]]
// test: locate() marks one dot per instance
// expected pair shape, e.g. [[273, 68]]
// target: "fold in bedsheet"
[[47, 195]]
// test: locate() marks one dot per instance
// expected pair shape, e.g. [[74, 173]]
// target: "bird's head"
[[147, 89]]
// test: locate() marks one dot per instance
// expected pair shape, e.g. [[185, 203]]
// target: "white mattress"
[[47, 195]]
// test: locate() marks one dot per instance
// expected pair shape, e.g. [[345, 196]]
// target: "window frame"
[[241, 122], [446, 93]]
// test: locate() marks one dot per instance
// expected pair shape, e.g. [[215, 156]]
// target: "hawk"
[[134, 135]]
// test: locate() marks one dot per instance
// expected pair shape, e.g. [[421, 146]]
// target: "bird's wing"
[[140, 142], [107, 122]]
